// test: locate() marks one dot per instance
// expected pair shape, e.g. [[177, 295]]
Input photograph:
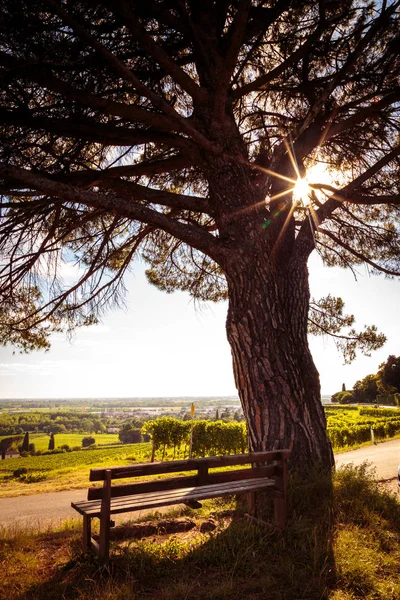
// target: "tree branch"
[[365, 112], [234, 39], [193, 235], [162, 58], [128, 75], [150, 167], [260, 82], [129, 191], [35, 72], [348, 193], [356, 198], [90, 177], [380, 22], [357, 254], [96, 132]]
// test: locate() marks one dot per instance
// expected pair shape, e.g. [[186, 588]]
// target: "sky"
[[163, 345]]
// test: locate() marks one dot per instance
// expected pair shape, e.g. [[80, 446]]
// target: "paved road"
[[385, 457], [39, 508], [56, 506]]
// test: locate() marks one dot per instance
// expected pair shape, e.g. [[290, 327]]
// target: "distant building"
[[113, 429], [12, 454]]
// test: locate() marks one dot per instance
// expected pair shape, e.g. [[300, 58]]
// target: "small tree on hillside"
[[25, 443], [129, 434], [51, 441], [367, 389]]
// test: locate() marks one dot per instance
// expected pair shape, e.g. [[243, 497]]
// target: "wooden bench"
[[267, 473]]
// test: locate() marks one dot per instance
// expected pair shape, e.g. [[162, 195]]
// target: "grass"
[[342, 543], [66, 470]]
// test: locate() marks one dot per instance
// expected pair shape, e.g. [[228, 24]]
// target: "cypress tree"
[[25, 443], [51, 442]]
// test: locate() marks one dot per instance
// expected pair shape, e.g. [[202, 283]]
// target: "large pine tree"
[[176, 130]]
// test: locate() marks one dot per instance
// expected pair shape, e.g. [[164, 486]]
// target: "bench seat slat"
[[177, 496]]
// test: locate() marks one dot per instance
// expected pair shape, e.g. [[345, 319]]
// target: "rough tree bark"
[[273, 367]]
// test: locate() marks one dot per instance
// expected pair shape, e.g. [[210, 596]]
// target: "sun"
[[302, 191]]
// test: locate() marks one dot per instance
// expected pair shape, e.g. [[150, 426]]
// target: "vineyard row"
[[218, 438]]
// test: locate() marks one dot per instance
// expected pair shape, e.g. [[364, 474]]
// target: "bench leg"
[[280, 511], [251, 503], [87, 533], [104, 541]]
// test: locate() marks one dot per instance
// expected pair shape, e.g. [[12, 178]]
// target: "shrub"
[[19, 472], [344, 397], [88, 441], [209, 437], [33, 477], [130, 435]]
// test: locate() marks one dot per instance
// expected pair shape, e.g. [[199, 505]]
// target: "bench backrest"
[[263, 464]]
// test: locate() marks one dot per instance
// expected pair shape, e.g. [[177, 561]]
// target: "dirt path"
[[56, 506]]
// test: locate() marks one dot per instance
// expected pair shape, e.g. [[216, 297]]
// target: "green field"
[[41, 440], [67, 470]]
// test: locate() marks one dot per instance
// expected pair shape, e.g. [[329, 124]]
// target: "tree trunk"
[[276, 378]]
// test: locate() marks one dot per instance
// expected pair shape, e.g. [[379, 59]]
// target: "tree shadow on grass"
[[244, 560]]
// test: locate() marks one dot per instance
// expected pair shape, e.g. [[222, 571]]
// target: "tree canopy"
[[389, 374], [383, 386], [111, 111], [194, 134]]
